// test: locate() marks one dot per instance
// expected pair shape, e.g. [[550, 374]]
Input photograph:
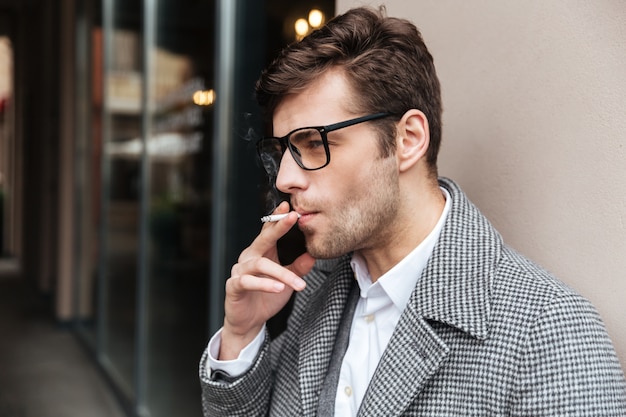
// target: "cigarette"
[[275, 217]]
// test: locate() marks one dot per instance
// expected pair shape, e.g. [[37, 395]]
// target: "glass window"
[[122, 182], [169, 188], [179, 151]]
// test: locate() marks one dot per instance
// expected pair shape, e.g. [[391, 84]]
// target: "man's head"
[[386, 64], [357, 104]]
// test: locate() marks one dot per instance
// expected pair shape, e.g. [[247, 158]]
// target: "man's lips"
[[305, 215]]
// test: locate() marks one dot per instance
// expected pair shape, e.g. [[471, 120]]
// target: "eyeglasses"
[[308, 145]]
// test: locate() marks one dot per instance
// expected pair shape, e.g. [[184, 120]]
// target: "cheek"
[[348, 202], [347, 186], [353, 174]]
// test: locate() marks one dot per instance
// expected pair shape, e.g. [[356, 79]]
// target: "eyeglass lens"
[[306, 147]]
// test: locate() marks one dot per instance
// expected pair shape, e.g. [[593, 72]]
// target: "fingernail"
[[299, 283], [279, 286]]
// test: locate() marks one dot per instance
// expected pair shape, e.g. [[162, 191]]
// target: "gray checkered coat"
[[485, 333]]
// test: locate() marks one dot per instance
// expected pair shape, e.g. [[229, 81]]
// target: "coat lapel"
[[318, 334], [455, 286], [412, 357]]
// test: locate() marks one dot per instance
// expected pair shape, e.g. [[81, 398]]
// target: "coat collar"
[[455, 286]]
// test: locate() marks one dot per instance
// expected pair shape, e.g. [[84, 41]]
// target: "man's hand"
[[259, 287]]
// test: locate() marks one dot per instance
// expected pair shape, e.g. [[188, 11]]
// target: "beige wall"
[[535, 129]]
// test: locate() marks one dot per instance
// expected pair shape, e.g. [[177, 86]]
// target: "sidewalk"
[[44, 372]]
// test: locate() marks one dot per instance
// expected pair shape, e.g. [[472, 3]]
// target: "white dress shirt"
[[377, 312]]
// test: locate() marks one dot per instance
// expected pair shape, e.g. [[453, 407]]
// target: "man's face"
[[350, 204]]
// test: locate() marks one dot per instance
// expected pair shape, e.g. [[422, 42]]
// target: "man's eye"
[[314, 143], [307, 139]]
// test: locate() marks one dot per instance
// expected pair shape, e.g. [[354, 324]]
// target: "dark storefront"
[[131, 182]]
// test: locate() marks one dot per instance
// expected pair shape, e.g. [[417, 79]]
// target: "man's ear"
[[413, 139]]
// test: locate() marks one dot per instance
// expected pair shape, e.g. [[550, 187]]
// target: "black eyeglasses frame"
[[285, 143]]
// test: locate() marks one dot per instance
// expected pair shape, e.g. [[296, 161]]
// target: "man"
[[407, 301]]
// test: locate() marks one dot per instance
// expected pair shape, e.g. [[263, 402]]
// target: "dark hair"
[[385, 60]]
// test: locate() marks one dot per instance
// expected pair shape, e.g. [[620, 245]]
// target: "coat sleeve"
[[251, 394], [570, 367], [247, 395]]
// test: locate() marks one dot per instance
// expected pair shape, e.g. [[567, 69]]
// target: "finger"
[[302, 265], [245, 283], [266, 268], [272, 232]]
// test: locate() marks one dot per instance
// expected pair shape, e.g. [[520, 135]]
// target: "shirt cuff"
[[235, 367]]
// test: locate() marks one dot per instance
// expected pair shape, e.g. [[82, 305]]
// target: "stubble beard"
[[363, 219]]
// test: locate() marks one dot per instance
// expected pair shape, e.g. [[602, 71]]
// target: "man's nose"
[[290, 175]]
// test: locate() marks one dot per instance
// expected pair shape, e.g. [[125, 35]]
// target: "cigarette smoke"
[[271, 196]]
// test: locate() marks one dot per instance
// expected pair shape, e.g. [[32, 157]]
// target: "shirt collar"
[[399, 281]]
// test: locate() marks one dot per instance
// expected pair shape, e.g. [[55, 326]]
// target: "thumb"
[[302, 265]]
